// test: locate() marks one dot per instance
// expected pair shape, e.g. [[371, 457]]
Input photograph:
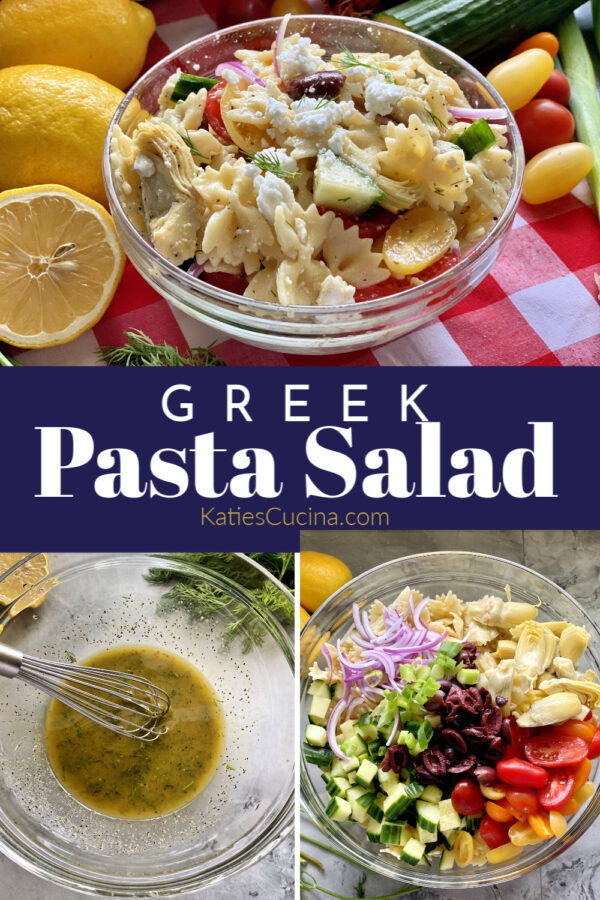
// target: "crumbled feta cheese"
[[295, 59], [230, 76], [278, 114], [271, 192], [287, 163], [335, 292], [336, 142], [381, 96], [314, 116], [144, 165]]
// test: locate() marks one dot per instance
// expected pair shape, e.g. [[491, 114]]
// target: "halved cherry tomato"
[[498, 813], [372, 225], [524, 800], [540, 824], [569, 808], [594, 749], [576, 728], [543, 40], [556, 88], [493, 833], [544, 123], [520, 773], [467, 799], [519, 816], [558, 789], [383, 289], [581, 773], [225, 280], [518, 737], [550, 749], [212, 110]]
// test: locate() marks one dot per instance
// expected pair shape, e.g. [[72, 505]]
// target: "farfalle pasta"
[[313, 181]]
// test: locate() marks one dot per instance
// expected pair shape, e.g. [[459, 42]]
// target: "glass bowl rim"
[[44, 864], [482, 876], [406, 297]]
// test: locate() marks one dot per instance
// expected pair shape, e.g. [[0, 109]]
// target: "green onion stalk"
[[579, 69], [6, 361]]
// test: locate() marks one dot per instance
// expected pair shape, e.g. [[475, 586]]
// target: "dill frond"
[[140, 350], [268, 162], [350, 61]]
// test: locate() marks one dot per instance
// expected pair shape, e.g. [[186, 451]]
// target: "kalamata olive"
[[316, 84], [445, 685], [506, 733], [501, 701], [485, 775], [455, 739]]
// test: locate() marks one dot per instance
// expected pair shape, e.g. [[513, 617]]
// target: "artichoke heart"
[[506, 649], [536, 648], [564, 668], [500, 613], [588, 692], [573, 642], [503, 681], [550, 710]]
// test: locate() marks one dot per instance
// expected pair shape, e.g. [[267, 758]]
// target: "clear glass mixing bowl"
[[96, 602], [470, 576], [301, 329]]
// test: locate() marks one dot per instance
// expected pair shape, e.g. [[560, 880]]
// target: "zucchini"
[[478, 29]]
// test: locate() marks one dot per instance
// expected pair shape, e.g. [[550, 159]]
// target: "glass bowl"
[[470, 576], [95, 602], [302, 329]]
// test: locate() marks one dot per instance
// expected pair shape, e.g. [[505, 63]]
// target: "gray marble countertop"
[[572, 560]]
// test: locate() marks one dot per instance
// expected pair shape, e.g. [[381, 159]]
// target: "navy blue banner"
[[244, 459]]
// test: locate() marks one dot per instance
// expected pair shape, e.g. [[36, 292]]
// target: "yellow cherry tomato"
[[554, 172], [558, 823], [295, 7], [519, 78], [544, 39]]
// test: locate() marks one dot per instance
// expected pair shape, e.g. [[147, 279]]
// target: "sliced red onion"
[[196, 269], [279, 43], [356, 701], [490, 115], [357, 622], [327, 654], [336, 712], [243, 70], [394, 728], [367, 625]]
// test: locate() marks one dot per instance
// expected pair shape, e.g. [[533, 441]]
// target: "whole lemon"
[[320, 575], [108, 38], [53, 122], [304, 617]]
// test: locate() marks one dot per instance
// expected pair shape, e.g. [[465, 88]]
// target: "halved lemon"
[[60, 264], [27, 575]]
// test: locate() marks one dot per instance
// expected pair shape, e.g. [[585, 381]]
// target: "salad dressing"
[[132, 779]]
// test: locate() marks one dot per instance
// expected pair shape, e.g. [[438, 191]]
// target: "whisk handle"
[[10, 661]]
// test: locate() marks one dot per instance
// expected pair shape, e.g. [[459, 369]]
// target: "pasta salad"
[[311, 181]]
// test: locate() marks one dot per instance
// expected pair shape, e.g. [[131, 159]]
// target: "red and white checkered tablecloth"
[[539, 306]]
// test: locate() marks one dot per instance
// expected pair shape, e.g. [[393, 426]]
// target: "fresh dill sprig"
[[323, 101], [140, 350], [349, 61], [360, 885], [189, 143], [269, 162], [436, 120], [8, 361]]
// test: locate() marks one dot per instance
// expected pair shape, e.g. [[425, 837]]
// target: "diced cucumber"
[[347, 729], [449, 818], [408, 832], [399, 799], [366, 773], [366, 798], [446, 861], [374, 831], [315, 735], [351, 776], [375, 809], [354, 746], [318, 756], [426, 837], [413, 852], [190, 84], [432, 794], [359, 813], [368, 732], [449, 837], [350, 765], [338, 786], [428, 815], [468, 676], [319, 689], [388, 780], [339, 184], [373, 749], [318, 710], [391, 832], [355, 792], [337, 767], [471, 823], [338, 691], [338, 809]]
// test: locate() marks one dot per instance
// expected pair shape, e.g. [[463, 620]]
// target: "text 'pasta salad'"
[[304, 180]]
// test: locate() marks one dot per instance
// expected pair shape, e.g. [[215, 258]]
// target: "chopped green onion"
[[191, 84], [452, 648], [477, 137], [579, 69]]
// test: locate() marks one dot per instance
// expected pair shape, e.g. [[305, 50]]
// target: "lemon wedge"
[[60, 264], [27, 575]]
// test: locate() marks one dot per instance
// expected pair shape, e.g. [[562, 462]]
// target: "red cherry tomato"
[[550, 749], [226, 281], [524, 800], [594, 749], [373, 225], [212, 110], [233, 12], [543, 124], [520, 773], [383, 289], [558, 789], [493, 833], [557, 88], [575, 728], [467, 798]]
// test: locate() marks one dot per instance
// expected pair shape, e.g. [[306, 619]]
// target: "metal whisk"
[[124, 703]]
